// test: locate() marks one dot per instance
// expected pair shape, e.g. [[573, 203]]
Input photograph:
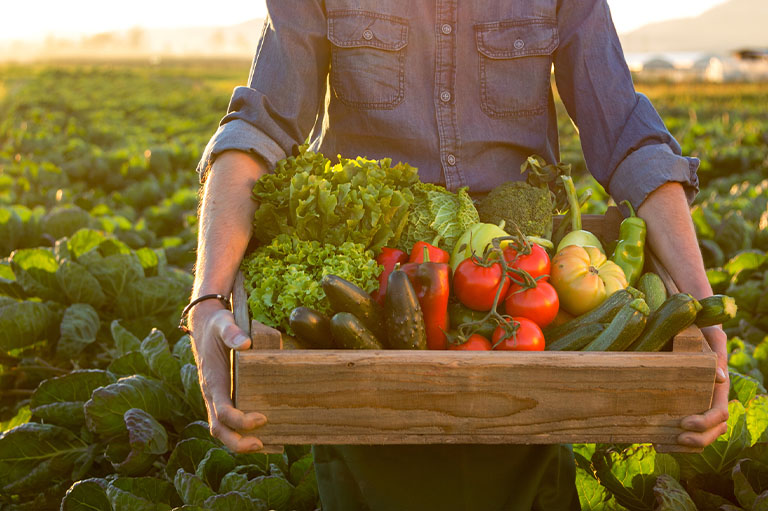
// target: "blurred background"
[[105, 108], [713, 40]]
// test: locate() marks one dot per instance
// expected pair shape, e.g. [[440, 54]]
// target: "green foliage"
[[98, 215], [287, 273], [360, 201], [438, 214]]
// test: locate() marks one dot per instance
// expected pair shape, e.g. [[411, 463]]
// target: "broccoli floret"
[[519, 204]]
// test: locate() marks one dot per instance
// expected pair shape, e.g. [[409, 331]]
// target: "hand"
[[214, 333], [702, 430]]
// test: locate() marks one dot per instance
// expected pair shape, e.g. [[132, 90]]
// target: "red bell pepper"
[[436, 254], [432, 281], [388, 258]]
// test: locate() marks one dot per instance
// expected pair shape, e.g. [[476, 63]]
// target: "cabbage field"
[[100, 406]]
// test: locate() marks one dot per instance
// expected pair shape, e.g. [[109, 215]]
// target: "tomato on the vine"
[[536, 263], [475, 342], [525, 336], [539, 304], [475, 284]]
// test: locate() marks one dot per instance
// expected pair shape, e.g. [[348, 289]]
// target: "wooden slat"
[[264, 337], [690, 340], [405, 397], [240, 303]]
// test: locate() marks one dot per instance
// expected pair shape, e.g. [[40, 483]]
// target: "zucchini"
[[603, 313], [715, 310], [676, 313], [311, 327], [577, 339], [405, 320], [350, 333], [651, 285], [623, 329], [344, 296]]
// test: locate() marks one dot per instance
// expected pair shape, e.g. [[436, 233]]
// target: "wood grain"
[[406, 397]]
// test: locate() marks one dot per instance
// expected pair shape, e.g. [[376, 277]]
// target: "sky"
[[34, 19]]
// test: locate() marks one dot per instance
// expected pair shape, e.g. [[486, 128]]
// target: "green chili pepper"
[[630, 250]]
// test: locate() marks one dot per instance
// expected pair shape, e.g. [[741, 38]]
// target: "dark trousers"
[[446, 478]]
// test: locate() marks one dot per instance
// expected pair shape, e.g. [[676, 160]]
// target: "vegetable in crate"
[[676, 313], [403, 315], [577, 236], [604, 313], [476, 240], [438, 213], [630, 250], [584, 278], [479, 283], [344, 296], [536, 300], [432, 283], [623, 329], [286, 274], [474, 342], [388, 258], [362, 201], [311, 327], [518, 334], [715, 310], [651, 285], [529, 204]]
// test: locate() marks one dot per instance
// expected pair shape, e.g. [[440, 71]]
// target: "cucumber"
[[623, 329], [344, 296], [715, 310], [651, 285], [577, 339], [350, 333], [311, 327], [676, 313], [603, 313], [405, 320]]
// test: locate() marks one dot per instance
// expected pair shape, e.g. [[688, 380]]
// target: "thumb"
[[229, 333]]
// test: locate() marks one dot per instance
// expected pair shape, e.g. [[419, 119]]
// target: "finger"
[[239, 420], [712, 417], [691, 439], [235, 441], [721, 375]]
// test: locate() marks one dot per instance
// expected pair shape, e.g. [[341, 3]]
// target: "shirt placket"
[[445, 89]]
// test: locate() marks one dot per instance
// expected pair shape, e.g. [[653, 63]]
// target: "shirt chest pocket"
[[515, 61], [367, 58]]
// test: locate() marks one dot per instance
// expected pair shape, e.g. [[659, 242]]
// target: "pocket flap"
[[348, 29], [516, 38]]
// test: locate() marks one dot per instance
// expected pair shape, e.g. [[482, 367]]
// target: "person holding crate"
[[461, 91]]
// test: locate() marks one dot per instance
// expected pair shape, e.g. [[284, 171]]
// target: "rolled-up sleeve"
[[286, 87], [626, 145]]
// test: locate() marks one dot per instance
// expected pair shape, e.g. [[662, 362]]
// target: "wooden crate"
[[432, 397]]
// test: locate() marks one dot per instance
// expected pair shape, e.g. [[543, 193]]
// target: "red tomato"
[[539, 304], [476, 342], [536, 263], [527, 336], [476, 285]]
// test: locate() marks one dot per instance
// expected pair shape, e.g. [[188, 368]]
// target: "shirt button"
[[451, 159], [446, 29], [368, 35], [519, 44], [445, 96]]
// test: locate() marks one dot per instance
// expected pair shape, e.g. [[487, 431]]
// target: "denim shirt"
[[459, 89]]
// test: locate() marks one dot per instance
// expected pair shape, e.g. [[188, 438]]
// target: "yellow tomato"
[[584, 277]]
